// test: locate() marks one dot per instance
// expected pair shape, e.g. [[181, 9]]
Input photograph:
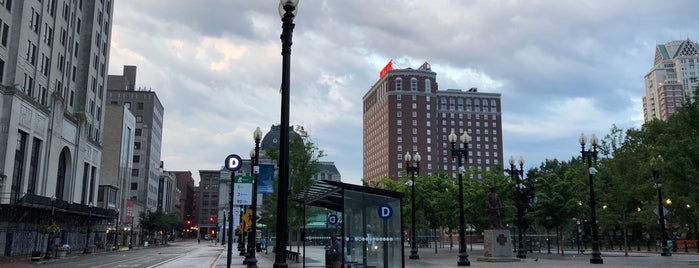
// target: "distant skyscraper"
[[672, 78], [404, 112], [148, 111]]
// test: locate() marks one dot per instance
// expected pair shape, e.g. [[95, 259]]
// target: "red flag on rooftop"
[[388, 67]]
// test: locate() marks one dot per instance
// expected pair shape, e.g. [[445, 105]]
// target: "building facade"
[[53, 63], [404, 112], [115, 167], [673, 77], [148, 112]]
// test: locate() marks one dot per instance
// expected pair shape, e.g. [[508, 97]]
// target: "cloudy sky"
[[562, 67]]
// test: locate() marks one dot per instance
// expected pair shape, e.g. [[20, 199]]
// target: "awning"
[[329, 194]]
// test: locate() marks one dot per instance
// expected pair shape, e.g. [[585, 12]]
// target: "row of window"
[[413, 84]]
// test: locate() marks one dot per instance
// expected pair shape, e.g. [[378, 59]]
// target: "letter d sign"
[[385, 211]]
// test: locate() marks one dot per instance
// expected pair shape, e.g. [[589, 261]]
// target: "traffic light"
[[213, 232], [189, 222], [211, 219]]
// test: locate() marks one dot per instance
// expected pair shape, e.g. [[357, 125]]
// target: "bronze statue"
[[494, 206]]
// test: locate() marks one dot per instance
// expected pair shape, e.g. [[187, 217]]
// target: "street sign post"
[[243, 190]]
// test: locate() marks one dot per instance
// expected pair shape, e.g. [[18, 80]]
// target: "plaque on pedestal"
[[497, 246]]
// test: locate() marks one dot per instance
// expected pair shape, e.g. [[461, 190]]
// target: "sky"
[[562, 67]]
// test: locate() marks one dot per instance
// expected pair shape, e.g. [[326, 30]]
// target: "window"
[[137, 145], [134, 172], [136, 158], [399, 84], [413, 84], [428, 85], [5, 33], [137, 132], [139, 119]]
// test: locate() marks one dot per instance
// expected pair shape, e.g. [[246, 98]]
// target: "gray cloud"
[[562, 67]]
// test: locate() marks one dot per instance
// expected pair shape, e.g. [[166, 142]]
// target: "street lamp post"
[[255, 159], [591, 156], [655, 162], [116, 230], [460, 154], [87, 231], [518, 174], [287, 11], [49, 250], [413, 170], [223, 229]]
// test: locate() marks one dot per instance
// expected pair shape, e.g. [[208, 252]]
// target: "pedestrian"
[[334, 253], [199, 240]]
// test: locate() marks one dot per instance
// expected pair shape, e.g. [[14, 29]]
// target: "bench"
[[292, 255]]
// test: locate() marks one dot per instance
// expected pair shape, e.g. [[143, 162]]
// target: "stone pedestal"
[[497, 246]]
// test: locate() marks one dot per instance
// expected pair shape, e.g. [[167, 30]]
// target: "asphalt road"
[[190, 254]]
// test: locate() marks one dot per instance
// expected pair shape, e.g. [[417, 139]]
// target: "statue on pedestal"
[[494, 207]]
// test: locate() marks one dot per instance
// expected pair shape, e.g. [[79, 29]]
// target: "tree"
[[158, 221], [304, 163]]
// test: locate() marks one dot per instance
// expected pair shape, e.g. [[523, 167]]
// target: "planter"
[[61, 254], [36, 256]]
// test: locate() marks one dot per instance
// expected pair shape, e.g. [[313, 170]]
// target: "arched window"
[[428, 85], [413, 84], [399, 84]]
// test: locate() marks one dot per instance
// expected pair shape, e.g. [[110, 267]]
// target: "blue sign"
[[265, 180], [385, 211], [233, 162], [333, 219]]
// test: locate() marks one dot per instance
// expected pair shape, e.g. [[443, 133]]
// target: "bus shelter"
[[369, 220]]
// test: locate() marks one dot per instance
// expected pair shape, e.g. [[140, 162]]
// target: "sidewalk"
[[25, 260]]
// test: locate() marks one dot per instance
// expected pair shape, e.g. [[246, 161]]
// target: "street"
[[188, 253]]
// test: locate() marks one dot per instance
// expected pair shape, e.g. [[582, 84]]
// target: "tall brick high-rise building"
[[405, 112]]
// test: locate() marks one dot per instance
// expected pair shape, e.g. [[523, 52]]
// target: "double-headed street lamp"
[[255, 159], [460, 154], [591, 156], [655, 163], [413, 170], [287, 11], [518, 174]]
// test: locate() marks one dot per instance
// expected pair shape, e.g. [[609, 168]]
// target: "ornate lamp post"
[[412, 170], [517, 174], [87, 231], [460, 154], [223, 229], [49, 244], [255, 158], [287, 11], [655, 163], [591, 156]]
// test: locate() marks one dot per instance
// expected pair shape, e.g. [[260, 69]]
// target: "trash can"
[[36, 256], [328, 257]]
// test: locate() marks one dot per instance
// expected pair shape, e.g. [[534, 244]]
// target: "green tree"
[[159, 221], [304, 163]]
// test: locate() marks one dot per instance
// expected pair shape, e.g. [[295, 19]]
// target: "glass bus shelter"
[[369, 220]]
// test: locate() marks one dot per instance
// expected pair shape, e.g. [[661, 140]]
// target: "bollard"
[[685, 246]]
